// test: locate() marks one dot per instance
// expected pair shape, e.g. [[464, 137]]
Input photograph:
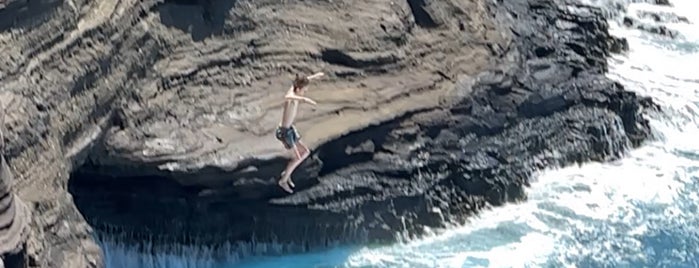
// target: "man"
[[287, 133]]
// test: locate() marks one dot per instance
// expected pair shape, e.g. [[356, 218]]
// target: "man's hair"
[[300, 82]]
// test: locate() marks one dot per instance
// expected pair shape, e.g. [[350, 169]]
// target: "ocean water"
[[640, 211]]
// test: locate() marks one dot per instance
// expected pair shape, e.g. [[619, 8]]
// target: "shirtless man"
[[286, 132]]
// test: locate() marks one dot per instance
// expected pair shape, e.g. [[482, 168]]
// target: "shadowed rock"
[[618, 45], [660, 30], [662, 16], [651, 22], [663, 2]]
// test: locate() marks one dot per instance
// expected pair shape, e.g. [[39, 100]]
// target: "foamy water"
[[640, 211]]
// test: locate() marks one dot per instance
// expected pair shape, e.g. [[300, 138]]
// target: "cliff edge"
[[155, 118]]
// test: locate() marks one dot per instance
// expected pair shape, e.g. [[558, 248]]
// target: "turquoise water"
[[640, 211]]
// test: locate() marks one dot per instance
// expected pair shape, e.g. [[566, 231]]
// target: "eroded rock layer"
[[163, 111]]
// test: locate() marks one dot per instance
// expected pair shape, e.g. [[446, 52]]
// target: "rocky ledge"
[[155, 118]]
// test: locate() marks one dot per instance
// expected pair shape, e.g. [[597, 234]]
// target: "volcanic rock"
[[154, 119]]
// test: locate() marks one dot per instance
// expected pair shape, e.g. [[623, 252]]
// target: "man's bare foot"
[[285, 186], [288, 179]]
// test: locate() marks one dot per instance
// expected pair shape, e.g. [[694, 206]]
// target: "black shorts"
[[288, 136]]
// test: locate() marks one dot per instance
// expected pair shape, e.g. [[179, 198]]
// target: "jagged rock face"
[[48, 57], [130, 74], [431, 110], [542, 101], [204, 115], [381, 60]]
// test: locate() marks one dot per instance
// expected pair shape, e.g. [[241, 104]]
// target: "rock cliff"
[[14, 214], [155, 118]]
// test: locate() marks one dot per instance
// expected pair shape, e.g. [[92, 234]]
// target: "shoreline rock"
[[654, 22], [157, 119]]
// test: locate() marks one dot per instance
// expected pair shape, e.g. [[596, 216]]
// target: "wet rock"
[[660, 30], [618, 44], [663, 2], [662, 17]]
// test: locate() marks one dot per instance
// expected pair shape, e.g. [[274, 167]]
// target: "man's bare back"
[[287, 133]]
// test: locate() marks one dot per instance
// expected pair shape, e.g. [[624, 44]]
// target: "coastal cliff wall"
[[155, 118]]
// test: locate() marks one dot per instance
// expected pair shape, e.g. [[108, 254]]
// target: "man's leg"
[[301, 157], [295, 155], [285, 180]]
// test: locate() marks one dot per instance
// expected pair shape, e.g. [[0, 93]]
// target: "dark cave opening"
[[16, 260], [158, 210], [151, 215]]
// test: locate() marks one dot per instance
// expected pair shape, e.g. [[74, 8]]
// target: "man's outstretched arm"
[[315, 75], [300, 98]]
